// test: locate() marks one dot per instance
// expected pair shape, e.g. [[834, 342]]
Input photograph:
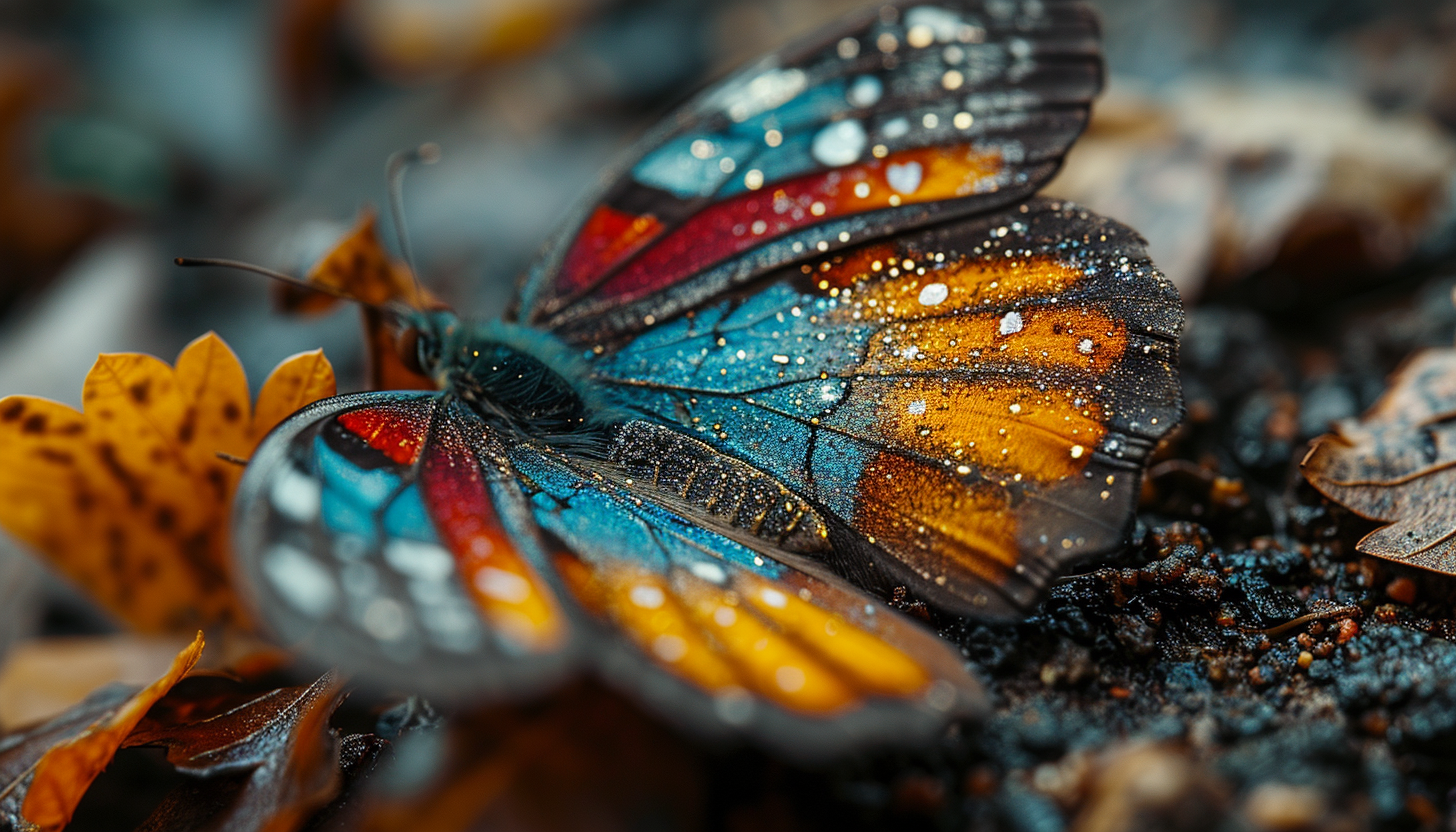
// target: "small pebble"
[[1402, 589], [1349, 628], [1278, 807]]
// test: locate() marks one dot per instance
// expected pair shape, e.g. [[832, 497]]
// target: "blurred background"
[[1271, 153]]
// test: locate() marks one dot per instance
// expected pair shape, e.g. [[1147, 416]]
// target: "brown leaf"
[[1397, 465], [44, 772], [130, 499], [359, 267], [267, 764]]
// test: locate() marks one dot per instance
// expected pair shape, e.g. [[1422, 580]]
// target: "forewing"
[[915, 114], [721, 632], [381, 533], [967, 407]]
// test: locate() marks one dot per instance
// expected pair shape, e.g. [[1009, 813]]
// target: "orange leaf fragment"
[[64, 773], [298, 381], [359, 267], [1397, 465], [130, 499]]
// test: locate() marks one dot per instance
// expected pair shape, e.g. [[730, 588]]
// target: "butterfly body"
[[815, 342]]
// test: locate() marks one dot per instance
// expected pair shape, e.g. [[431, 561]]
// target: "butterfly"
[[815, 339]]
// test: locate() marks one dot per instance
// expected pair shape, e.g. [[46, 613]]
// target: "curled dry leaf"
[[1397, 465], [266, 764], [130, 498], [45, 771], [358, 267]]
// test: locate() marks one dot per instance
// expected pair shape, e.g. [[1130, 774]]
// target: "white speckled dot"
[[303, 582], [646, 596], [502, 585], [1011, 323], [865, 91], [905, 178], [896, 127], [840, 143], [934, 294]]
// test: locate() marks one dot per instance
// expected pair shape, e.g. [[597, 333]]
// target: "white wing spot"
[[905, 178], [502, 585], [302, 581], [669, 648], [934, 294], [647, 597], [1010, 323], [840, 143], [774, 598]]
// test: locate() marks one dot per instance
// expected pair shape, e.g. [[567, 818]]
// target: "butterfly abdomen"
[[714, 486]]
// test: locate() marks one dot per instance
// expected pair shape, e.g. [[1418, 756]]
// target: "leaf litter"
[[1397, 465]]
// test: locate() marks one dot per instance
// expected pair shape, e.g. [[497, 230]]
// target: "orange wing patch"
[[1017, 430], [879, 273], [753, 638], [642, 604], [936, 521], [863, 660], [1043, 337], [506, 589], [920, 175]]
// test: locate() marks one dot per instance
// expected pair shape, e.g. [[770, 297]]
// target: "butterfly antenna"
[[276, 275], [400, 161]]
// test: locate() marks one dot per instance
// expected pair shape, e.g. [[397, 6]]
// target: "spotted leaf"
[[130, 498]]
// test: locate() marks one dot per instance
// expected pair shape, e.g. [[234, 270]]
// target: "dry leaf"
[[267, 764], [44, 772], [43, 678], [1397, 465], [360, 268], [130, 499]]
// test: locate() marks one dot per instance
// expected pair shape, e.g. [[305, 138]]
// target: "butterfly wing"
[[718, 629], [380, 532], [968, 407], [396, 535], [913, 115]]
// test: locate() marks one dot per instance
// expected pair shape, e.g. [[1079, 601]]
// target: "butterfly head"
[[420, 336]]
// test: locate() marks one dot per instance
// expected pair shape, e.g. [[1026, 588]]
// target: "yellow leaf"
[[67, 769], [297, 381], [131, 500]]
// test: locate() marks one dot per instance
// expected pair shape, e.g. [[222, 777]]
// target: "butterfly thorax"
[[528, 383], [522, 380]]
